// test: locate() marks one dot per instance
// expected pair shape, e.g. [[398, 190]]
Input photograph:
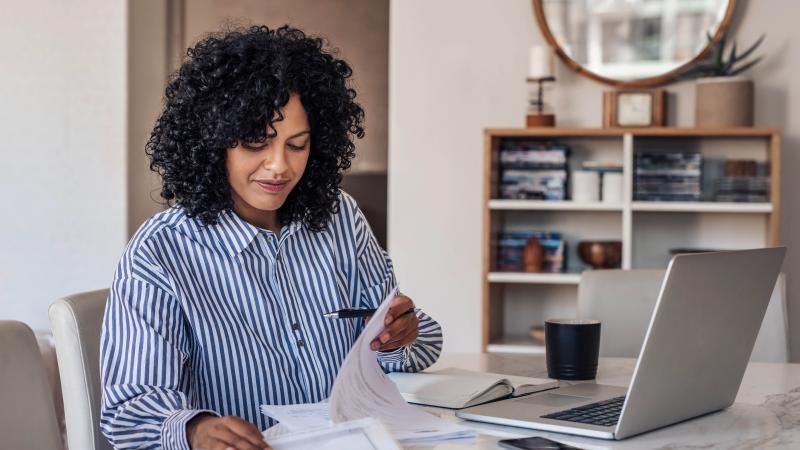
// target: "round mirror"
[[631, 43]]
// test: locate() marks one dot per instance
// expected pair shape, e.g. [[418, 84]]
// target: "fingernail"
[[373, 345], [388, 319], [384, 338]]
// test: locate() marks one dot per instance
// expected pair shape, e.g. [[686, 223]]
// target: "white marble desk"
[[766, 414]]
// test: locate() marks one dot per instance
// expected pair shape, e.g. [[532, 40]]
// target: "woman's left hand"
[[401, 329]]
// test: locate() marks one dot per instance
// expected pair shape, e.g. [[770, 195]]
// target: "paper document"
[[363, 434], [299, 417], [362, 390]]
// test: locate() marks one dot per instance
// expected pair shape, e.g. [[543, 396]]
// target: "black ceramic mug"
[[572, 348]]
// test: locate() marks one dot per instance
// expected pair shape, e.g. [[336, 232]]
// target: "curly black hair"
[[230, 90]]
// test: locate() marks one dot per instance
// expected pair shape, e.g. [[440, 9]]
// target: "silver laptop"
[[696, 349]]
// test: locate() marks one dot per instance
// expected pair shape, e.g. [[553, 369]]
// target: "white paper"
[[364, 434], [362, 390], [275, 431], [301, 416]]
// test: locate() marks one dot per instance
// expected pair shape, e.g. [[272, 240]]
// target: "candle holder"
[[537, 117]]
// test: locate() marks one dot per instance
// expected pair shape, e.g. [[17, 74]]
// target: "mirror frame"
[[538, 9]]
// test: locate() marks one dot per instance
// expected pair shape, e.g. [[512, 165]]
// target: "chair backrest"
[[27, 413], [623, 301], [76, 322], [772, 344]]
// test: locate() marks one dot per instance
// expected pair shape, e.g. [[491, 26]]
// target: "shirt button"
[[301, 343], [295, 326]]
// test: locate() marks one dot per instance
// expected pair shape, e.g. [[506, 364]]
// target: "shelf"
[[534, 278], [552, 205], [545, 205], [753, 132], [555, 132], [515, 344], [645, 228], [714, 207], [614, 132]]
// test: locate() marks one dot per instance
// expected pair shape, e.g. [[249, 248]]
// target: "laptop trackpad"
[[554, 400]]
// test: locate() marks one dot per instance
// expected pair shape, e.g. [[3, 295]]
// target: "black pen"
[[350, 313]]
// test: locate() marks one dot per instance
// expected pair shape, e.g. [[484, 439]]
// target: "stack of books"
[[533, 170], [744, 181], [668, 176], [748, 189], [511, 245]]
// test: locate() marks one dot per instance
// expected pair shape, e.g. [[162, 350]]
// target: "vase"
[[724, 102], [533, 256]]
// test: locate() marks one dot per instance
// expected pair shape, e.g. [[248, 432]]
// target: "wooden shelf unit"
[[629, 215]]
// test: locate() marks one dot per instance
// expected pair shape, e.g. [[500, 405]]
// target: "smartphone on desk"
[[533, 443]]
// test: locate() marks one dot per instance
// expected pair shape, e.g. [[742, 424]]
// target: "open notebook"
[[459, 388]]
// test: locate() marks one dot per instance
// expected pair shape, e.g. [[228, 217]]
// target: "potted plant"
[[724, 98]]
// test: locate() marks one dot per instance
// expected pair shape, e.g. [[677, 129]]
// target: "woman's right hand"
[[207, 432]]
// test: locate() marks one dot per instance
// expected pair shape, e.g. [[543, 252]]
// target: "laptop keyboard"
[[605, 413]]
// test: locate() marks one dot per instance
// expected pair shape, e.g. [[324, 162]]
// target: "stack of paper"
[[362, 434], [362, 390]]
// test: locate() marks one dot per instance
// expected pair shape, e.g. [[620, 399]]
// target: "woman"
[[217, 303]]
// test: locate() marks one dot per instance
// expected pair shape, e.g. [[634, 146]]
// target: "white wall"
[[63, 150], [457, 67]]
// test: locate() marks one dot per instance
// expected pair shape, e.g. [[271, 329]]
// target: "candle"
[[541, 64]]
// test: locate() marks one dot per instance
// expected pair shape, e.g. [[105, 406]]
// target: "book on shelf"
[[459, 388], [511, 247], [668, 176], [533, 184], [746, 189], [733, 180], [533, 170]]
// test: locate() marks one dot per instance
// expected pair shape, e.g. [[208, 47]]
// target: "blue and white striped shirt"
[[226, 317]]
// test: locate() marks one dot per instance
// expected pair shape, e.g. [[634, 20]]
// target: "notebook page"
[[449, 389], [521, 385]]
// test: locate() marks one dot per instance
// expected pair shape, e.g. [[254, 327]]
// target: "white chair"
[[623, 301], [76, 322], [47, 348], [27, 413]]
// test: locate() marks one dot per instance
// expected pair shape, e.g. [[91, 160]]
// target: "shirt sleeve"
[[145, 346], [376, 280]]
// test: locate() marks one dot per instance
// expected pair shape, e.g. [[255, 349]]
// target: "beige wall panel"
[[147, 76]]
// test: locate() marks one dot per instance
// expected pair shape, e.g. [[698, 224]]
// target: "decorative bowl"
[[601, 254]]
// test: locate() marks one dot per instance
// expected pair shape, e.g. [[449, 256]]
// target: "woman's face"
[[262, 175]]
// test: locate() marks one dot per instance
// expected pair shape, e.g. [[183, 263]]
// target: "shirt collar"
[[235, 234]]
